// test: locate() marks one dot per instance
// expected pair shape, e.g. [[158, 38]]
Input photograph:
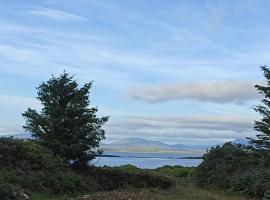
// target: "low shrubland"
[[236, 168], [177, 171], [27, 168]]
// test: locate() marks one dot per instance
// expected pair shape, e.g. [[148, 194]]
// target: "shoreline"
[[115, 156]]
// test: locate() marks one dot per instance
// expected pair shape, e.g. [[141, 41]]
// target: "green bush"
[[177, 171], [10, 192], [252, 183], [111, 178], [24, 164], [6, 192], [27, 155], [266, 195], [27, 165], [236, 168]]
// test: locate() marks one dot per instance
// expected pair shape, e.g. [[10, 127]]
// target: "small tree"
[[263, 126], [66, 124]]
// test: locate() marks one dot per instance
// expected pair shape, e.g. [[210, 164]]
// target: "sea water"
[[147, 160]]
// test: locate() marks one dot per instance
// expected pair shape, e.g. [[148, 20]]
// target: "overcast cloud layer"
[[228, 91]]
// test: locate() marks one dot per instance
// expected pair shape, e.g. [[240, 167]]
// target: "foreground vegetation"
[[26, 168], [237, 168], [30, 170], [185, 189]]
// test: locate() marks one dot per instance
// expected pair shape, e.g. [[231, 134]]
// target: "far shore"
[[153, 150], [116, 156]]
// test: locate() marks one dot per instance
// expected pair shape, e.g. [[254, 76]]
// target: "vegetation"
[[243, 169], [184, 190], [263, 126], [66, 125], [26, 168], [235, 168], [177, 171]]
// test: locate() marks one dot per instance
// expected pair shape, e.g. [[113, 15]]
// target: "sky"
[[178, 71]]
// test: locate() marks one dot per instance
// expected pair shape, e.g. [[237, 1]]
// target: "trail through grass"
[[185, 190]]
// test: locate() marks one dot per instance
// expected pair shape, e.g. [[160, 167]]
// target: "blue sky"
[[175, 71]]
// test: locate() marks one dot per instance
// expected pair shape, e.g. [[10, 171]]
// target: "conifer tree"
[[67, 124], [262, 140]]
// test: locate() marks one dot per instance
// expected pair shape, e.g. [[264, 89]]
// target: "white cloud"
[[56, 14], [212, 91], [182, 128]]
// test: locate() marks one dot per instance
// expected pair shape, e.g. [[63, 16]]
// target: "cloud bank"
[[226, 91], [184, 128]]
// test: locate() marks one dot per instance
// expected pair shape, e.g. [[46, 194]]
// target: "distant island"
[[145, 145]]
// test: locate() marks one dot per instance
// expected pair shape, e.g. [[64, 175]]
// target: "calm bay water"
[[147, 160]]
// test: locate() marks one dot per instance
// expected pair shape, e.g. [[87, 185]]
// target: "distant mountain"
[[19, 135], [140, 144], [242, 141]]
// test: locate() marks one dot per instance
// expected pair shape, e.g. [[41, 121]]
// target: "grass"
[[184, 190], [39, 196]]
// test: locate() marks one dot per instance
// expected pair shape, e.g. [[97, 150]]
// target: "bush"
[[252, 183], [177, 171], [236, 168], [10, 192], [24, 164], [27, 155], [111, 178], [27, 165]]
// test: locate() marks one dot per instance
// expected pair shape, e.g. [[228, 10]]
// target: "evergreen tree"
[[67, 124], [263, 126]]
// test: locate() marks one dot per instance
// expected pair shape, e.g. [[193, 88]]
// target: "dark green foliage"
[[252, 183], [111, 178], [11, 192], [263, 126], [66, 125], [267, 195], [27, 166], [27, 155], [221, 162], [235, 168], [177, 171]]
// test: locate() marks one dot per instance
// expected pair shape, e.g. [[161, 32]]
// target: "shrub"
[[236, 168], [177, 171], [10, 192], [27, 165], [252, 183], [113, 178], [27, 155]]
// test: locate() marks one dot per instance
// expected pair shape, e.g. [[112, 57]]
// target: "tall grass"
[[184, 190]]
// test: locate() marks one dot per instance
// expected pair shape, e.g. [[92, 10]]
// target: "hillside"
[[133, 144]]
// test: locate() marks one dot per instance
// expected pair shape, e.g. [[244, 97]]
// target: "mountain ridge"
[[140, 143], [136, 143]]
